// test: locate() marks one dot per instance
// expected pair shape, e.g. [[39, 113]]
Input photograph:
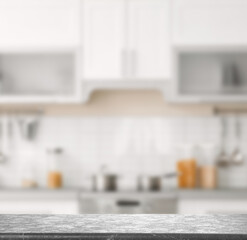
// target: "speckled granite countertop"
[[123, 227]]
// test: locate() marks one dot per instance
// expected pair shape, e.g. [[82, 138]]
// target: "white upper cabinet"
[[126, 39], [104, 39], [149, 39], [210, 22], [39, 46], [39, 24]]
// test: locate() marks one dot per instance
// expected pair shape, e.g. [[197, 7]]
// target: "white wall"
[[90, 142]]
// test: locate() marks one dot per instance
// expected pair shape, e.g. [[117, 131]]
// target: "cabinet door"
[[210, 22], [39, 23], [212, 206], [39, 207], [149, 39], [104, 34]]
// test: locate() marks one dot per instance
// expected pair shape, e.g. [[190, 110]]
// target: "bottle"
[[54, 179], [28, 164]]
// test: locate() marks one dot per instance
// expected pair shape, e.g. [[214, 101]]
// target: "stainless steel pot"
[[106, 182]]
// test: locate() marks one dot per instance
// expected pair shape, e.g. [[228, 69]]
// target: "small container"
[[54, 178], [155, 183], [28, 165], [208, 170], [208, 177], [28, 178], [187, 173], [187, 168]]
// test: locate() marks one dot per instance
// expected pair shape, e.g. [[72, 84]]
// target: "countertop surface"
[[118, 226]]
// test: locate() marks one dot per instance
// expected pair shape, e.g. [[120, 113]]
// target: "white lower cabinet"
[[212, 206], [39, 207]]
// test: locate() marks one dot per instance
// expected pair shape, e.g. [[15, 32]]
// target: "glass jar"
[[28, 167], [54, 179], [207, 169], [187, 168]]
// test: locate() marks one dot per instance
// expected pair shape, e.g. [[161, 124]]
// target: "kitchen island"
[[123, 227]]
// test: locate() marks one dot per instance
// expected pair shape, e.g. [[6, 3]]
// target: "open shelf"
[[38, 75], [216, 73]]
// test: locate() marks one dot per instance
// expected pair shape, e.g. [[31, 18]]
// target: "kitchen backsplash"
[[128, 146]]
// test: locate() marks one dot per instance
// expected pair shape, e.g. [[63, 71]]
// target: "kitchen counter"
[[68, 193], [38, 194], [123, 227], [226, 193]]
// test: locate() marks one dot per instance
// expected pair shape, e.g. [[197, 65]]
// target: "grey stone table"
[[123, 227]]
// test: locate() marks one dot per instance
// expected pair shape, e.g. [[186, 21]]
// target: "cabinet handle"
[[128, 203], [124, 62], [134, 63]]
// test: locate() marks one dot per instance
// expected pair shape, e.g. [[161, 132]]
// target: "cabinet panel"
[[39, 23], [149, 39], [57, 78], [104, 38], [132, 205], [39, 207], [210, 22], [212, 206]]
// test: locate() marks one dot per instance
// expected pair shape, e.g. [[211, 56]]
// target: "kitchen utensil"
[[110, 182], [172, 175], [29, 126], [237, 156], [155, 183], [3, 158], [231, 79], [5, 139], [223, 160], [105, 181]]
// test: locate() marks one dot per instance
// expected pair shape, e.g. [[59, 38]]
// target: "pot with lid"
[[105, 181]]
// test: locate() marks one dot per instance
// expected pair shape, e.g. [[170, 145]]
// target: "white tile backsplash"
[[128, 146]]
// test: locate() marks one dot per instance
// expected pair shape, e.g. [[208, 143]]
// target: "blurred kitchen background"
[[123, 106]]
